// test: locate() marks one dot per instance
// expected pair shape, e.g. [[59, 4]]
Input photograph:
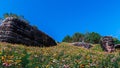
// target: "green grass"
[[60, 56]]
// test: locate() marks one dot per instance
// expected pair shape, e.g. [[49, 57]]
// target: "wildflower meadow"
[[63, 55]]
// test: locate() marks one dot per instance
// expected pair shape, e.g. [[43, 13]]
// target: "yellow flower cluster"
[[9, 60]]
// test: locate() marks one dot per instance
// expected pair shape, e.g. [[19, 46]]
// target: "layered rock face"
[[107, 44], [13, 30]]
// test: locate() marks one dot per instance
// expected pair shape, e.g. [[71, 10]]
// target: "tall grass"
[[63, 55]]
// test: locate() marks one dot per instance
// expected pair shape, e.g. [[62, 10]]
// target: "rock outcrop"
[[107, 44], [117, 45], [82, 44], [14, 30]]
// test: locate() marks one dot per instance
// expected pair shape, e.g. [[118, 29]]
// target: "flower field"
[[63, 55]]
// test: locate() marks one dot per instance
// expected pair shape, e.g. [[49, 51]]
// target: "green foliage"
[[5, 15], [61, 56], [87, 37], [24, 59], [11, 15], [116, 41], [15, 16], [77, 37], [13, 57], [92, 37], [67, 39], [97, 47]]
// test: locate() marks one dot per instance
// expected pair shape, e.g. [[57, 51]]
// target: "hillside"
[[63, 55]]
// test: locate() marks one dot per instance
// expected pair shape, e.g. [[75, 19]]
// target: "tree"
[[92, 37], [67, 39], [77, 37], [116, 41], [87, 37]]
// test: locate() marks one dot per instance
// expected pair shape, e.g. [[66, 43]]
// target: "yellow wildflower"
[[37, 67], [3, 58], [10, 61], [0, 53], [48, 66], [10, 57], [82, 66], [88, 57], [18, 61]]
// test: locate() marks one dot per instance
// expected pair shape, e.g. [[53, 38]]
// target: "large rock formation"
[[14, 30], [107, 44]]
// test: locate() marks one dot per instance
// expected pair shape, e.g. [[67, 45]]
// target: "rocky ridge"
[[14, 30]]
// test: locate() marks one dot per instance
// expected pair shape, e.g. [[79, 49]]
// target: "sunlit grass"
[[61, 56]]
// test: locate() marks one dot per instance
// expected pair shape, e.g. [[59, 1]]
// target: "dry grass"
[[61, 56]]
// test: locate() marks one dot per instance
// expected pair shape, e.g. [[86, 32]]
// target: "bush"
[[67, 39], [79, 37]]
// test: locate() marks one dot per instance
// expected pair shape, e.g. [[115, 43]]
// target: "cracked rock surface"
[[13, 30]]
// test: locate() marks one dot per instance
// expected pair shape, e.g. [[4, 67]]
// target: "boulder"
[[117, 45], [14, 30], [82, 44], [107, 44]]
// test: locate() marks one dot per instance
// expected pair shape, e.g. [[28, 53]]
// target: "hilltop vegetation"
[[61, 56], [89, 37], [21, 17]]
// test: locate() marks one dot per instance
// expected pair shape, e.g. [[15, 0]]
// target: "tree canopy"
[[77, 37], [116, 41], [67, 39], [92, 37]]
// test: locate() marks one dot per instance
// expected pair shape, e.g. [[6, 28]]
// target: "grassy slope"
[[62, 55]]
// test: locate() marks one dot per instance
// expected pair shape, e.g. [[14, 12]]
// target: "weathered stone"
[[107, 44], [117, 45], [82, 44], [13, 30], [1, 20]]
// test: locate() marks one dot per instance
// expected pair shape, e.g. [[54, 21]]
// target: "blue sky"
[[59, 18]]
